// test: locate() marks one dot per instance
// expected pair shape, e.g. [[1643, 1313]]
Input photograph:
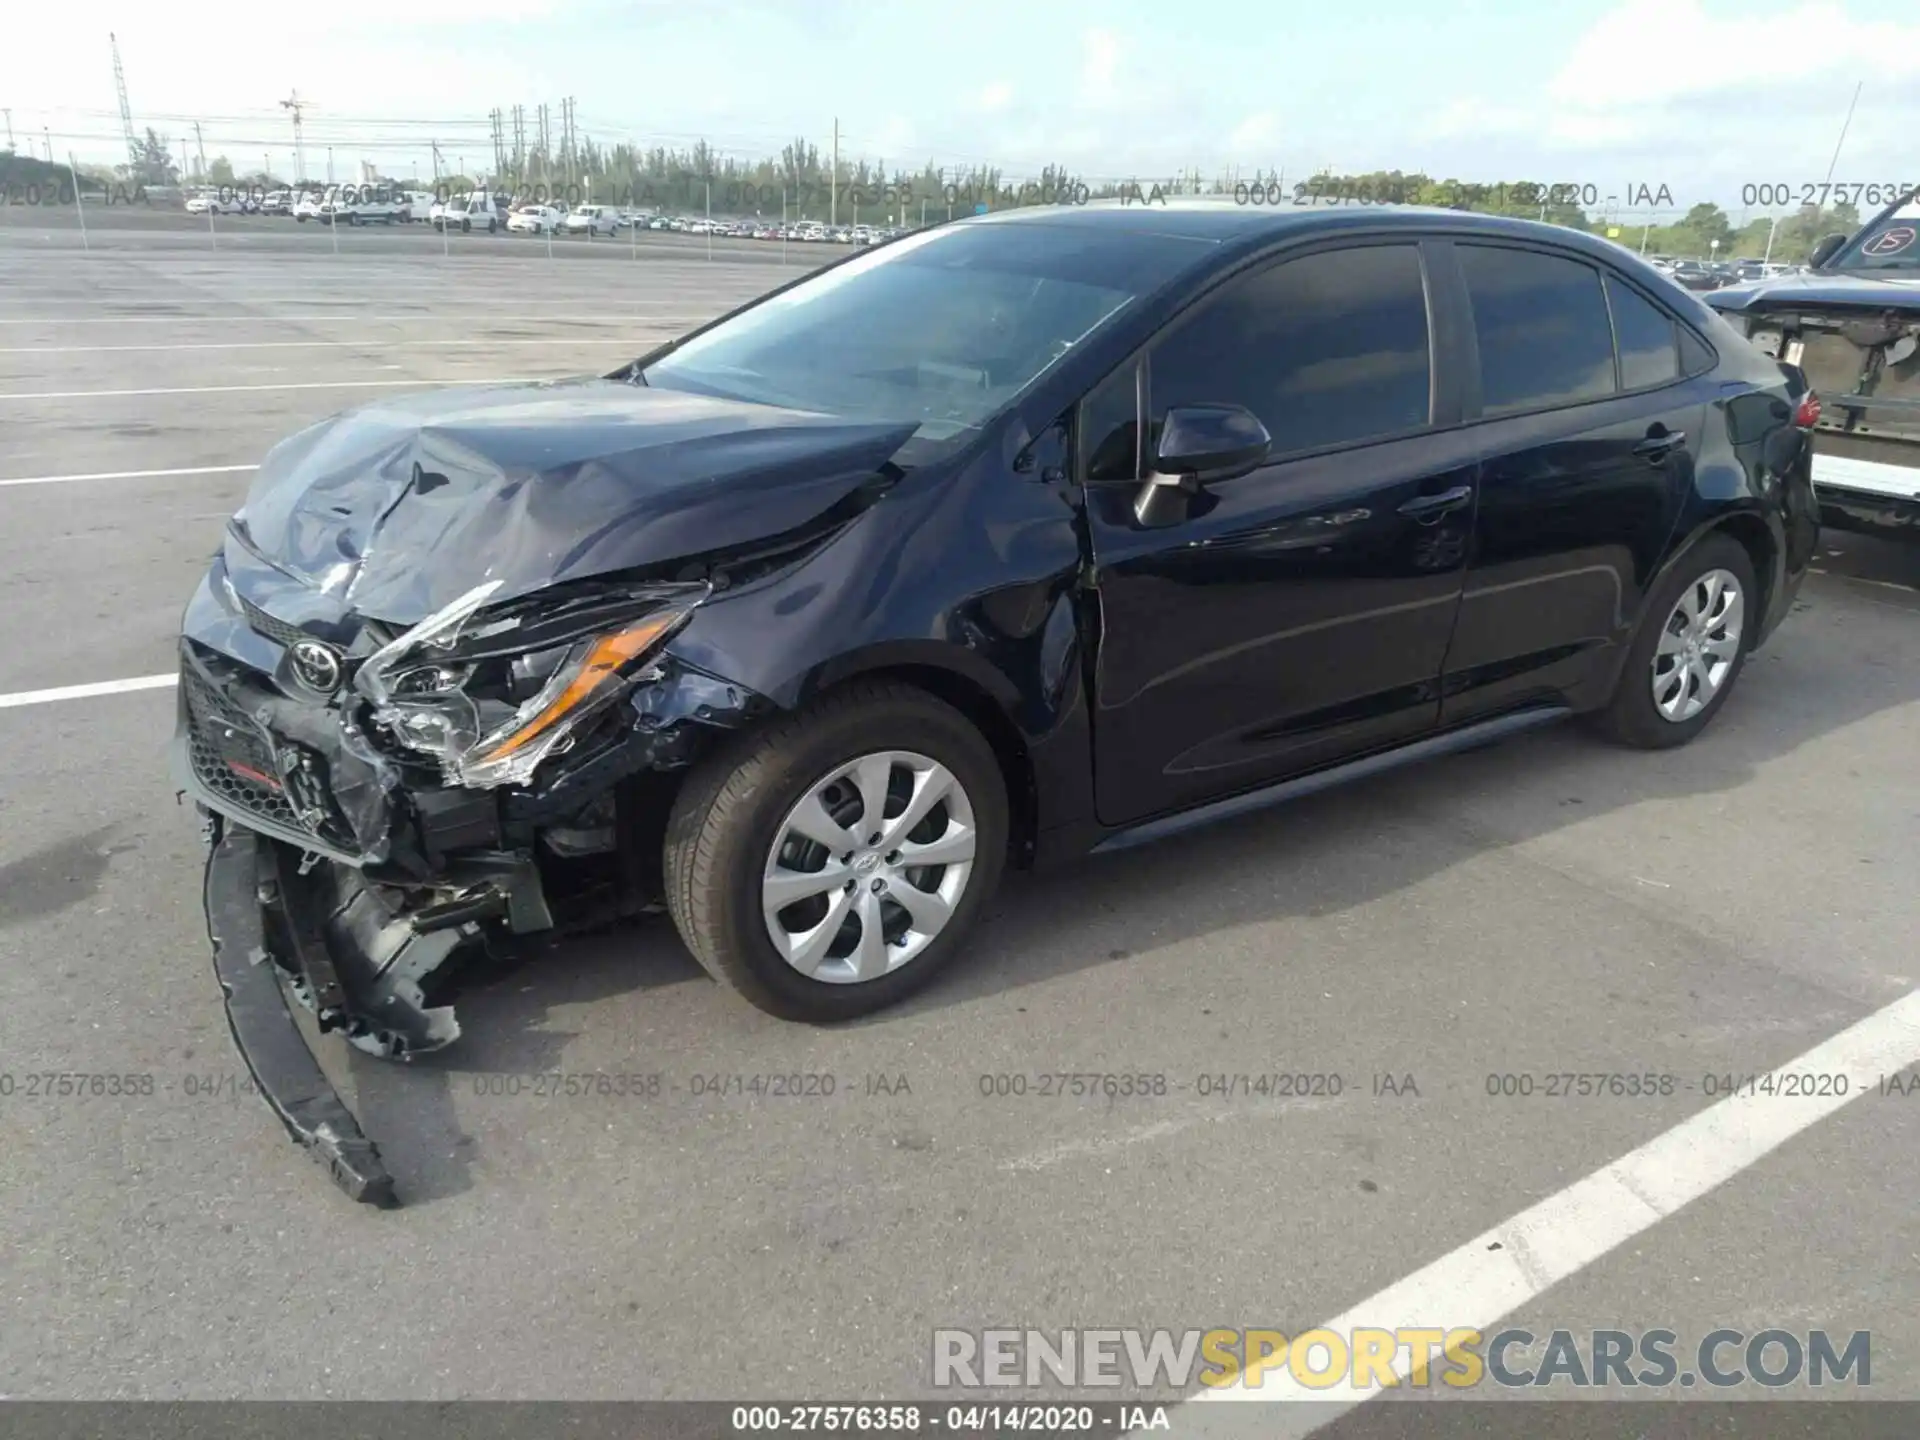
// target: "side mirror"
[[1828, 247], [1210, 442]]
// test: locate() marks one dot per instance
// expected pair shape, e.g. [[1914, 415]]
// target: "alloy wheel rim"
[[868, 867], [1698, 646]]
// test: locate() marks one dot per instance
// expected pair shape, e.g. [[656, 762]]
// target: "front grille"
[[278, 631], [207, 708]]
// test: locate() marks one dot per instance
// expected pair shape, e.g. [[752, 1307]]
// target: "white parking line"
[[283, 385], [377, 341], [1493, 1274], [85, 692], [129, 474]]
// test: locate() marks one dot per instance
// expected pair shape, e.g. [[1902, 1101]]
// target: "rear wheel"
[[1689, 649], [831, 863]]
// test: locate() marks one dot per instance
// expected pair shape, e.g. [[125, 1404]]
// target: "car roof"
[[1229, 224]]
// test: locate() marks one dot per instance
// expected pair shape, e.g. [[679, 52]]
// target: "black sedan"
[[1031, 535]]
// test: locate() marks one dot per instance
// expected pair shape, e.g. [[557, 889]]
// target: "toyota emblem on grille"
[[315, 665]]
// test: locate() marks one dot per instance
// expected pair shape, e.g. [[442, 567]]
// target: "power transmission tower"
[[573, 139], [293, 103], [126, 113]]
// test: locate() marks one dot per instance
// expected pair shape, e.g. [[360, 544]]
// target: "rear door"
[[1589, 427], [1293, 616]]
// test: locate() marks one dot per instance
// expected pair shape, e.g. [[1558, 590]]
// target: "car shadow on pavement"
[[1850, 650], [506, 1029]]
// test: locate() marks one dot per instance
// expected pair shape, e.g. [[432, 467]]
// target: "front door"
[[1294, 616]]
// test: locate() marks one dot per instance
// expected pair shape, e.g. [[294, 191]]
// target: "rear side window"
[[1542, 327], [1647, 338], [1330, 349]]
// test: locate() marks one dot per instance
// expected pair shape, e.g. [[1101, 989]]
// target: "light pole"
[[1770, 233]]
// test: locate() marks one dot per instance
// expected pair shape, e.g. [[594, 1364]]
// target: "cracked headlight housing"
[[491, 693]]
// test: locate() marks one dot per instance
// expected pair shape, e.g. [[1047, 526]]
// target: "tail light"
[[1807, 414]]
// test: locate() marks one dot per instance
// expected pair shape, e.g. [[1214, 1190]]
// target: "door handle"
[[1658, 447], [1432, 507]]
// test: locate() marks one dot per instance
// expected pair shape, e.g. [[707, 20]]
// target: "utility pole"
[[292, 104], [436, 159], [185, 168], [493, 118], [9, 115], [546, 165], [519, 141], [833, 186], [200, 144]]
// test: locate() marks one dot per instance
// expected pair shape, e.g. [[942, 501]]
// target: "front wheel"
[[829, 864], [1689, 649]]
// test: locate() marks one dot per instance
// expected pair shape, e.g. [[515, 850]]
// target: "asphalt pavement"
[[1549, 906]]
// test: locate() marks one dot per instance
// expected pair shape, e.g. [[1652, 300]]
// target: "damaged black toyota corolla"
[[1017, 538]]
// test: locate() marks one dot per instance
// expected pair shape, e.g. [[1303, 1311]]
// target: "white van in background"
[[474, 211]]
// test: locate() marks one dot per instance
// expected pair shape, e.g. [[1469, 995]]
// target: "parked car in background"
[[417, 204], [367, 204], [1695, 275], [590, 220], [307, 205], [477, 210], [212, 202], [1298, 497], [533, 220], [1851, 323], [277, 202]]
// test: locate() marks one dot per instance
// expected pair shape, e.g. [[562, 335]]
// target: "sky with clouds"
[[1702, 96]]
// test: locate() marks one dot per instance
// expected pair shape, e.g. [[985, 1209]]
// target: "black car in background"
[[1696, 275], [1036, 534], [1851, 322]]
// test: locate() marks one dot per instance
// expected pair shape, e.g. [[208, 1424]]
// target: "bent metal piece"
[[264, 1030]]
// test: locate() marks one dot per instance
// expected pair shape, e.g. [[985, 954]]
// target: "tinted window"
[[1542, 327], [1110, 428], [1328, 349], [1694, 354], [1649, 349]]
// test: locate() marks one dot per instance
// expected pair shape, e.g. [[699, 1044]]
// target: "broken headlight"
[[491, 692]]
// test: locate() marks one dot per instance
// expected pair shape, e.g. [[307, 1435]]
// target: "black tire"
[[1631, 718], [729, 811], [466, 227]]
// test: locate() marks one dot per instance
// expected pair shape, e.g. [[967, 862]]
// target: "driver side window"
[[1327, 350]]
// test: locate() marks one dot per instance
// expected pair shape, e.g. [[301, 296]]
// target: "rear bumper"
[[264, 1030]]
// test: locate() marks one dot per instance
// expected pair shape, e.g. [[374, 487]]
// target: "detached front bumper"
[[264, 1029]]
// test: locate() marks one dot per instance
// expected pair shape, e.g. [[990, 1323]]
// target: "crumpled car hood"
[[398, 507]]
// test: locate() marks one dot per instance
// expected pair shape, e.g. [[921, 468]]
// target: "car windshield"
[[943, 329], [1890, 243]]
